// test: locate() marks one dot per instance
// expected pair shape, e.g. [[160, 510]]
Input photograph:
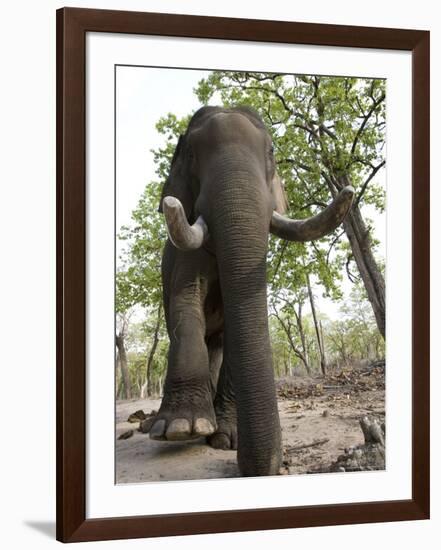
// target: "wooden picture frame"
[[72, 26]]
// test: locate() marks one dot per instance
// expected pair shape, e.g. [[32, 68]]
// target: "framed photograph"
[[242, 274]]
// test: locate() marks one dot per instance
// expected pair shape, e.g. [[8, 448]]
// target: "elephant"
[[220, 201]]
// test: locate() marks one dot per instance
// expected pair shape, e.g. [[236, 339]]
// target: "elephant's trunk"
[[240, 237]]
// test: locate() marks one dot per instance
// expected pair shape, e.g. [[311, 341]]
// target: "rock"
[[372, 431], [369, 456], [137, 416], [126, 435]]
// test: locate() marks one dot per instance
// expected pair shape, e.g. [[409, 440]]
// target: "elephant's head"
[[223, 188], [215, 135]]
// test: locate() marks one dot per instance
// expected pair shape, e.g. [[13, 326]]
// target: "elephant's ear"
[[278, 192], [178, 183]]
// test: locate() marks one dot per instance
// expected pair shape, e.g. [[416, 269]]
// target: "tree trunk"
[[316, 325], [148, 385], [299, 321], [119, 385], [361, 246], [323, 342], [343, 353], [117, 378], [127, 393]]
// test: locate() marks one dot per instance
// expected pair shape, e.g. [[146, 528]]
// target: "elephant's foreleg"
[[187, 409]]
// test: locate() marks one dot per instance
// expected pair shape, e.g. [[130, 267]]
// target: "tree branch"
[[368, 179], [353, 278], [282, 252], [287, 330], [331, 246], [367, 116], [296, 164]]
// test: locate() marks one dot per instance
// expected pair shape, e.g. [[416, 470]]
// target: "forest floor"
[[320, 418]]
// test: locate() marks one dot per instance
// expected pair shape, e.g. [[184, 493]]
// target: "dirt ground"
[[319, 417]]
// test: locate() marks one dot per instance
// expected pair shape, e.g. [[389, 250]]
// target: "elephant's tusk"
[[318, 226], [183, 235]]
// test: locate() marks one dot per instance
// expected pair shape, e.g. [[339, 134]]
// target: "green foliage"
[[139, 342], [139, 288], [349, 340], [139, 278], [170, 127], [355, 336]]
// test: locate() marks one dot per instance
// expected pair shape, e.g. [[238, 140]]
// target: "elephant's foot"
[[225, 437], [184, 414]]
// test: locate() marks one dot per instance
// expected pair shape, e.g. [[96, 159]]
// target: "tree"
[[147, 387], [285, 306], [317, 327], [139, 279], [126, 389], [355, 336], [328, 132]]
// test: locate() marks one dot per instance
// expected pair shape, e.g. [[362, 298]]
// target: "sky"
[[143, 96]]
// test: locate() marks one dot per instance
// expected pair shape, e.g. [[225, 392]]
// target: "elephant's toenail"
[[178, 430], [202, 426], [157, 430]]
